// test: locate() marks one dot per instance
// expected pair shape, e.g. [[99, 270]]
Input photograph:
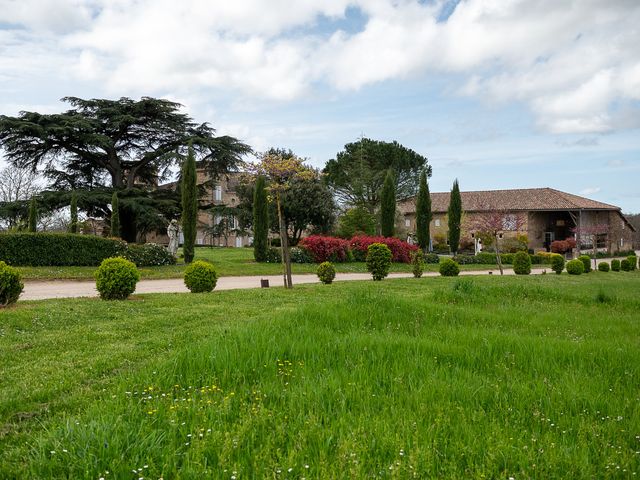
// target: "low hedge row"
[[487, 258], [68, 249]]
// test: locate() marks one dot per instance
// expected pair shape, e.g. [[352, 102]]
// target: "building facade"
[[543, 215]]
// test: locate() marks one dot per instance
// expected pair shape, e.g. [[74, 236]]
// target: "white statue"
[[172, 231]]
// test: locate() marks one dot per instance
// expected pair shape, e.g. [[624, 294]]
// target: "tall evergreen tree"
[[73, 226], [455, 217], [33, 214], [388, 205], [115, 215], [423, 213], [260, 221], [189, 206]]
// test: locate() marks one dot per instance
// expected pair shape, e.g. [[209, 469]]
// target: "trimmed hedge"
[[417, 263], [57, 249], [575, 267], [633, 261], [300, 255], [324, 249], [586, 261], [449, 268], [522, 263], [432, 258], [200, 277], [11, 285], [149, 255], [625, 265], [615, 265], [326, 272], [378, 260], [116, 278], [603, 267], [557, 263]]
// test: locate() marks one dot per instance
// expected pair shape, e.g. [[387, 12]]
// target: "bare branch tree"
[[16, 185]]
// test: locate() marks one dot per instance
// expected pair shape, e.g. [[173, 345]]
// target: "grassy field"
[[228, 262], [490, 377]]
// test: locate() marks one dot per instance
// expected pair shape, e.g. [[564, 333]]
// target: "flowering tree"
[[281, 168], [590, 232], [493, 222]]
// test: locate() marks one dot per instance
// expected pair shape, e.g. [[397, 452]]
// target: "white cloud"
[[590, 190], [575, 64]]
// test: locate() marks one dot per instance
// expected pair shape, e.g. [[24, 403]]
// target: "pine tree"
[[189, 206], [73, 226], [115, 216], [455, 217], [388, 205], [260, 221], [33, 214], [423, 213]]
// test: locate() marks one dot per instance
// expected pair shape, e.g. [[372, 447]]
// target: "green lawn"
[[228, 262], [485, 377]]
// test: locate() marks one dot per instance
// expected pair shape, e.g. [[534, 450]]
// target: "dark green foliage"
[[57, 249], [454, 217], [149, 255], [625, 265], [326, 272], [575, 267], [73, 225], [604, 297], [417, 263], [274, 255], [356, 220], [633, 261], [378, 260], [423, 212], [615, 265], [116, 278], [200, 277], [388, 206], [557, 263], [260, 221], [431, 258], [33, 214], [300, 255], [522, 263], [586, 261], [115, 216], [11, 285], [603, 267], [189, 206], [358, 172], [449, 268]]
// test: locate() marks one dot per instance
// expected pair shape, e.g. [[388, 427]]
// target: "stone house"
[[542, 214]]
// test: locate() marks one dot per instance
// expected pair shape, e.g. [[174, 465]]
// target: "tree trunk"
[[284, 242], [499, 260]]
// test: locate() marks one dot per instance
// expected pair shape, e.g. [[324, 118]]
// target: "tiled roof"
[[517, 199]]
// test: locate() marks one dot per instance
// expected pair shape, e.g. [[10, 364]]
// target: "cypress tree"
[[423, 213], [189, 206], [455, 217], [33, 214], [115, 215], [260, 221], [388, 205], [73, 226]]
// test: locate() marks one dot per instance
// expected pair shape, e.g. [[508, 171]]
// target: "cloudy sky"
[[498, 93]]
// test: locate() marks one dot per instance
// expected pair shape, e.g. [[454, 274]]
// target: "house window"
[[601, 240], [437, 222], [509, 222], [218, 193], [621, 242], [407, 222]]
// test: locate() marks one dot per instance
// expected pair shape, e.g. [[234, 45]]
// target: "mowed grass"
[[490, 377], [229, 262]]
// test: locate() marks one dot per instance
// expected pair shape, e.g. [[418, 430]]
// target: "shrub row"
[[68, 249], [322, 249], [487, 258]]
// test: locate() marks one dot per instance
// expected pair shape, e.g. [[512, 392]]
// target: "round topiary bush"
[[449, 268], [557, 263], [116, 278], [326, 272], [633, 261], [200, 276], [603, 267], [625, 265], [615, 265], [586, 262], [522, 263], [575, 267], [378, 260], [417, 263], [10, 285]]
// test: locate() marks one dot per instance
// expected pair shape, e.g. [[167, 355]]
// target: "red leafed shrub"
[[562, 246], [400, 250], [326, 249], [571, 243]]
